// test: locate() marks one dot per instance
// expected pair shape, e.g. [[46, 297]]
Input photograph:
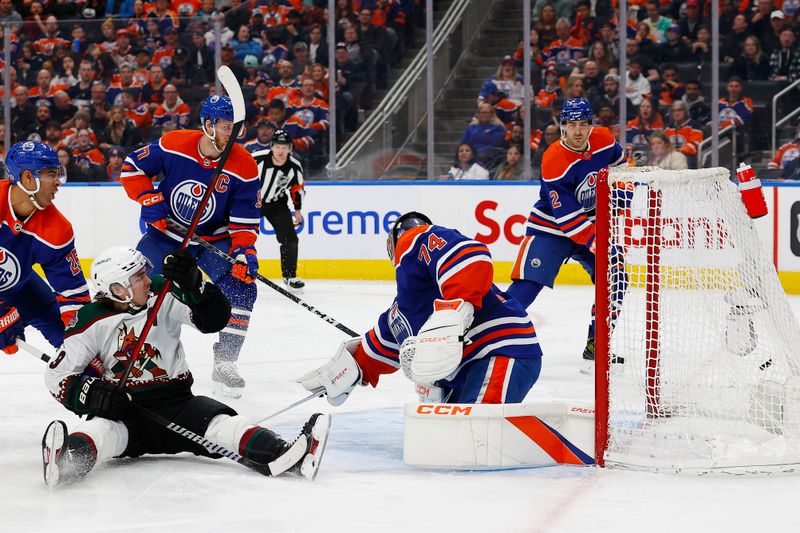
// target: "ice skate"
[[294, 284], [226, 379], [63, 464], [588, 358]]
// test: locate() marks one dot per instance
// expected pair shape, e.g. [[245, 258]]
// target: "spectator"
[[648, 66], [664, 155], [551, 90], [787, 155], [119, 131], [512, 168], [300, 58], [138, 113], [311, 112], [566, 50], [293, 30], [264, 132], [87, 157], [163, 55], [73, 173], [637, 85], [141, 65], [657, 23], [784, 62], [122, 51], [202, 57], [692, 20], [574, 88], [65, 72], [516, 135], [736, 109], [699, 111], [37, 130], [536, 54], [465, 165], [320, 77], [317, 47], [591, 76], [172, 109], [507, 80], [9, 15], [770, 40], [646, 121], [261, 101], [52, 135], [302, 137], [116, 155], [274, 51], [671, 88], [81, 121], [701, 48], [683, 132], [63, 110], [607, 118], [81, 92], [124, 83], [351, 81], [598, 52], [252, 74], [363, 57], [546, 23], [23, 115], [44, 88], [153, 91], [611, 96], [731, 47], [243, 45], [180, 72], [98, 107], [752, 64], [505, 109], [166, 17], [287, 87], [228, 59], [485, 134], [647, 47]]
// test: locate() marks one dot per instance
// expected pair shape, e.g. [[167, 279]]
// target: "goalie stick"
[[271, 284], [228, 80], [269, 469]]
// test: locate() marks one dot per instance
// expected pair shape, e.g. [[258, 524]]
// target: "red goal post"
[[688, 299]]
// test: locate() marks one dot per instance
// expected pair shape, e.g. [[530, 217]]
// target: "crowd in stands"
[[575, 53], [96, 79]]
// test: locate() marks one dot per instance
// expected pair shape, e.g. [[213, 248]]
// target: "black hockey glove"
[[181, 269], [101, 398]]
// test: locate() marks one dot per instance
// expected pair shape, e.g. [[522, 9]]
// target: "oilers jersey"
[[233, 207], [567, 198], [433, 262], [46, 238]]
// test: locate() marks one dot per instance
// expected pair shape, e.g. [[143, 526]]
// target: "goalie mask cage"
[[688, 299]]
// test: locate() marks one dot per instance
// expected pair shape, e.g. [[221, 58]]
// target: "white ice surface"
[[363, 484]]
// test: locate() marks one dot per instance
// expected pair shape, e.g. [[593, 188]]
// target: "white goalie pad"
[[483, 437]]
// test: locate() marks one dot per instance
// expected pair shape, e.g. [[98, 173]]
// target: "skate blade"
[[319, 435], [52, 442], [588, 369], [220, 389]]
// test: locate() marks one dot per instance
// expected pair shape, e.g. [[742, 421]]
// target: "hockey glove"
[[436, 350], [11, 328], [246, 267], [339, 376], [154, 210], [101, 398], [181, 269]]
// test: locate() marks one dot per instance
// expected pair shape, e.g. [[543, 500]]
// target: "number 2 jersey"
[[234, 205], [46, 238], [568, 194], [433, 262]]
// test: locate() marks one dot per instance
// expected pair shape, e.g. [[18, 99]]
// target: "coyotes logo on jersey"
[[126, 340]]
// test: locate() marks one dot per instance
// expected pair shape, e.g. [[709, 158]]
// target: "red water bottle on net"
[[751, 191]]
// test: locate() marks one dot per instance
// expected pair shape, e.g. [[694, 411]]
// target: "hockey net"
[[688, 298]]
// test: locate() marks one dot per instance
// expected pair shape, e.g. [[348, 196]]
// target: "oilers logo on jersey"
[[185, 199], [586, 193], [9, 269]]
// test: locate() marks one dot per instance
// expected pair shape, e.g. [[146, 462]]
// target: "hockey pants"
[[279, 216], [37, 307]]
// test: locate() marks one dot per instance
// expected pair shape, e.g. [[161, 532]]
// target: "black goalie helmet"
[[410, 220]]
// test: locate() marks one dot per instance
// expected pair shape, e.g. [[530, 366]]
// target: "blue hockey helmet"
[[216, 107], [404, 223], [576, 109], [32, 156]]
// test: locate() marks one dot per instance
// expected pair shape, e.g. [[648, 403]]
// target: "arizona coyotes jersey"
[[100, 341], [567, 198], [46, 238], [233, 206], [433, 262]]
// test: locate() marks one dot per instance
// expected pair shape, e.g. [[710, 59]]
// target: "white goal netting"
[[711, 348]]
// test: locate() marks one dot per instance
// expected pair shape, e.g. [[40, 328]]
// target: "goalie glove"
[[339, 376], [436, 350]]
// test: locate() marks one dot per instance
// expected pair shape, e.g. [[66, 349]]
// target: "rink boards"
[[344, 232]]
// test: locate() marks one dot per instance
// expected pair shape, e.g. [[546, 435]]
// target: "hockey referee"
[[282, 177]]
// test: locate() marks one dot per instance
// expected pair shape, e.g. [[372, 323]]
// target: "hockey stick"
[[233, 89], [318, 392], [271, 284], [261, 468]]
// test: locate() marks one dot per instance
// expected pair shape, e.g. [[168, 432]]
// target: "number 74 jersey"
[[433, 262]]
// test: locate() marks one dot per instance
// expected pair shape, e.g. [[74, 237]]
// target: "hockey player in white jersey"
[[97, 348]]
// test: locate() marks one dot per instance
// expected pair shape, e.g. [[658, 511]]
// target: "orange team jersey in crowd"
[[141, 75], [179, 115], [547, 96], [36, 92], [520, 52], [185, 8], [91, 156], [685, 139], [70, 137], [163, 56], [785, 154], [284, 93], [46, 45], [140, 115], [274, 15], [536, 139]]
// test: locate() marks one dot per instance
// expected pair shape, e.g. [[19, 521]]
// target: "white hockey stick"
[[318, 392], [33, 350]]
